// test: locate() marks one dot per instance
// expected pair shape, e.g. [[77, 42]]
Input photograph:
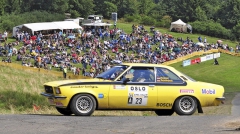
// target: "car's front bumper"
[[58, 101], [53, 96]]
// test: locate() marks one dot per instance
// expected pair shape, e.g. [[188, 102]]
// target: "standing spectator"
[[83, 72], [199, 39], [6, 35], [92, 71], [205, 40], [39, 61], [64, 72]]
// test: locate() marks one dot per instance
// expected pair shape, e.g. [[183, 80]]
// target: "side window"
[[140, 74], [165, 75]]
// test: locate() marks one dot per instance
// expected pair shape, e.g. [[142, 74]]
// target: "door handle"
[[151, 85]]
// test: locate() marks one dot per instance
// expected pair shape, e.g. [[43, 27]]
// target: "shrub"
[[8, 21], [146, 20], [212, 28], [129, 18]]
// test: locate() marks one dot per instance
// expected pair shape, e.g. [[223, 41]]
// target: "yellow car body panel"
[[162, 93]]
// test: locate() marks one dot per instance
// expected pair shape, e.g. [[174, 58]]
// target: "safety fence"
[[180, 59], [72, 76], [228, 52]]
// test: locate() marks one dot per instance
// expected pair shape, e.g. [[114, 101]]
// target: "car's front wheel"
[[164, 112], [185, 105], [64, 111], [83, 105]]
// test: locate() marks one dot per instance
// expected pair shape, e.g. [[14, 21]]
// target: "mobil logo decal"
[[208, 91]]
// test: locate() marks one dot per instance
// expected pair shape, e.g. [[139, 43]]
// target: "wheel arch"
[[68, 107], [199, 107]]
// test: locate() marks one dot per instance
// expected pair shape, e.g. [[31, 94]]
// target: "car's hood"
[[74, 81]]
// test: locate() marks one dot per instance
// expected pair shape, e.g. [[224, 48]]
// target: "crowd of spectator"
[[96, 49]]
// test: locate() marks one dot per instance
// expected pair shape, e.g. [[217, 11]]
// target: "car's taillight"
[[57, 90]]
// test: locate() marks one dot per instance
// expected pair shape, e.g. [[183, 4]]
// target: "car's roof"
[[146, 65]]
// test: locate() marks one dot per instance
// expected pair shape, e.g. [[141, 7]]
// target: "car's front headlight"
[[57, 90]]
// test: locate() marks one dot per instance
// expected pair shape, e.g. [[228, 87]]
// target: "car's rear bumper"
[[221, 99]]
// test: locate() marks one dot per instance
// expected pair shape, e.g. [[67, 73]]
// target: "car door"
[[139, 92], [169, 86]]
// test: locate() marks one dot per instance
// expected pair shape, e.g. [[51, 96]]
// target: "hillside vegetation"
[[219, 18]]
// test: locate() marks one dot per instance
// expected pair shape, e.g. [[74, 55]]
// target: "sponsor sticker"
[[208, 91], [164, 79], [84, 86], [164, 104], [119, 87], [100, 96], [137, 95], [189, 91]]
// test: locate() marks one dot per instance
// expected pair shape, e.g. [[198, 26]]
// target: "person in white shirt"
[[6, 34]]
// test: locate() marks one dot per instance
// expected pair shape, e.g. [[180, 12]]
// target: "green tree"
[[57, 6], [145, 6], [229, 13], [200, 14], [183, 9], [236, 31], [2, 6], [12, 6], [129, 7], [99, 6], [158, 11], [109, 8], [83, 7]]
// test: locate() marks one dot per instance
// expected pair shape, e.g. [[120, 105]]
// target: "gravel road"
[[49, 124]]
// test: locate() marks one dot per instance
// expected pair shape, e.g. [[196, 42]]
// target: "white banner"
[[209, 57], [203, 58], [216, 55]]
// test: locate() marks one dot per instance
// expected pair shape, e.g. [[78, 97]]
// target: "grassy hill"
[[21, 88], [226, 74]]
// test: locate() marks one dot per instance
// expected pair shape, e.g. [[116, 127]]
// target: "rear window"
[[166, 75]]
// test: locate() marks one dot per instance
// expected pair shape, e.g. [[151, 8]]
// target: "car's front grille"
[[48, 89]]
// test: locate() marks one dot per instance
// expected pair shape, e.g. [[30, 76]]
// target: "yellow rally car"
[[133, 86]]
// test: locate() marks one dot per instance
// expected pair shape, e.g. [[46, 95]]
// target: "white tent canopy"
[[67, 25], [178, 22], [179, 25], [97, 24], [61, 25]]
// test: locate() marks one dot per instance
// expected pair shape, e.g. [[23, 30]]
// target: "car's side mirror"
[[126, 80]]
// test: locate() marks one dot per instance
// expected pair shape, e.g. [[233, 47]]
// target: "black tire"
[[164, 112], [185, 105], [83, 105], [64, 111]]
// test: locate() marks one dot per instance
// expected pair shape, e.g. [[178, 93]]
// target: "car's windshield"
[[112, 73]]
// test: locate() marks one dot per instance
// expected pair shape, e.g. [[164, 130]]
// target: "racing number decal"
[[138, 101], [137, 95]]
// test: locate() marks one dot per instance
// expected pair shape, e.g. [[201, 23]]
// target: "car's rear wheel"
[[185, 105], [64, 111], [164, 112], [83, 105]]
